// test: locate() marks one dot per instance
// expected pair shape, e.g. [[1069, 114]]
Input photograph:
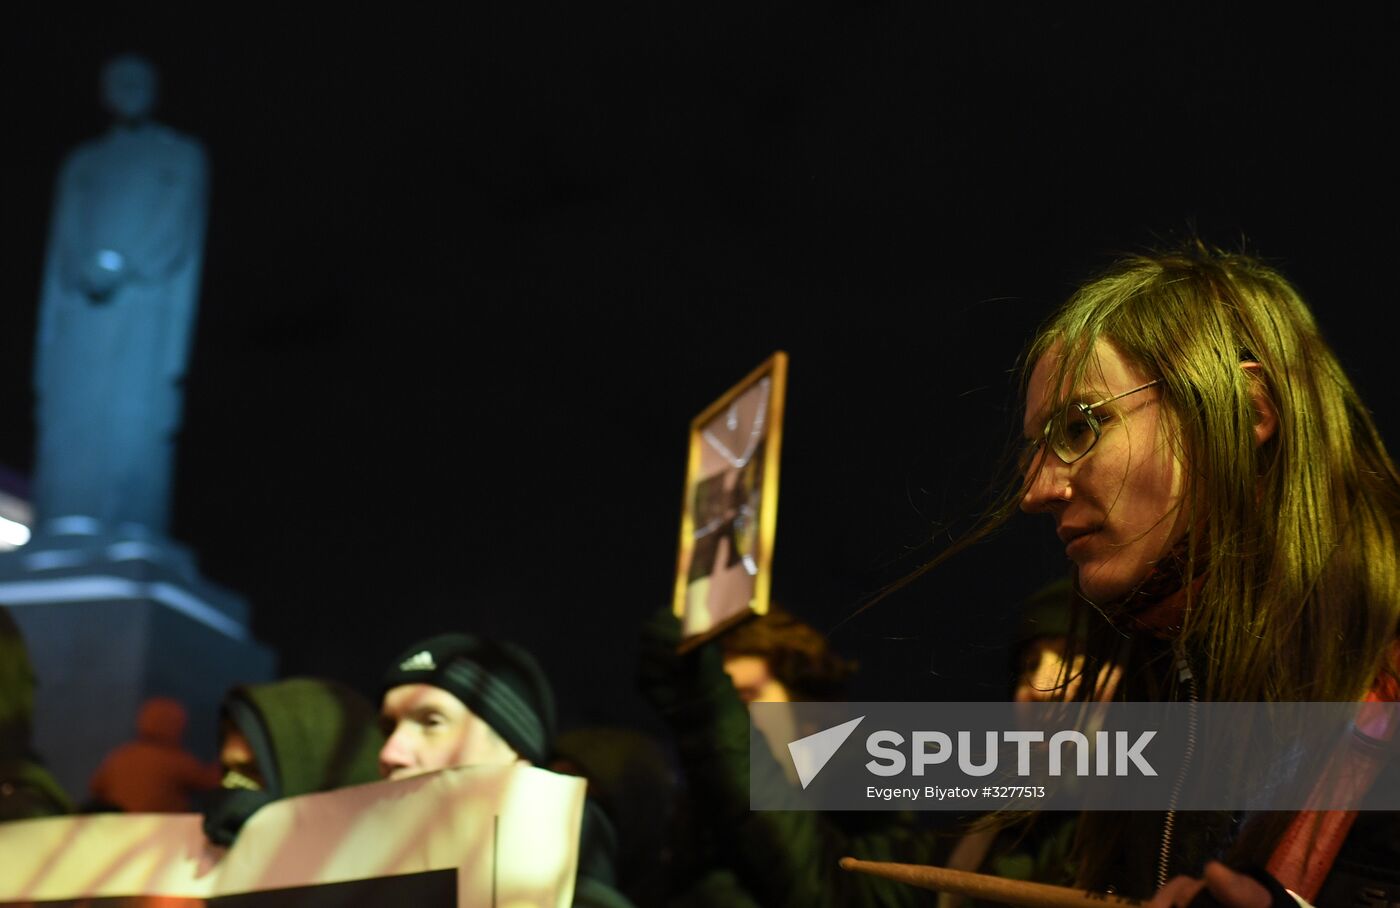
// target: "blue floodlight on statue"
[[121, 286]]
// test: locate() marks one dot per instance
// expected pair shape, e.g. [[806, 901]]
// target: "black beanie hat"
[[498, 681]]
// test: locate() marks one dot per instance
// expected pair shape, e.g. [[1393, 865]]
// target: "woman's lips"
[[1076, 546]]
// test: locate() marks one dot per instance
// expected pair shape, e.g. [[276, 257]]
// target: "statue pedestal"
[[111, 619]]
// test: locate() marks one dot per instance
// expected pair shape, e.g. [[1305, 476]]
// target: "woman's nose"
[[1047, 483]]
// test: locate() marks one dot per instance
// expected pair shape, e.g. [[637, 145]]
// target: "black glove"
[[678, 685]]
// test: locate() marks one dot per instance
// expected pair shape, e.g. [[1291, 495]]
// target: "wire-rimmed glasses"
[[1074, 433]]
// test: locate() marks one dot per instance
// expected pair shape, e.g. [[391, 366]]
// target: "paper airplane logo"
[[811, 753]]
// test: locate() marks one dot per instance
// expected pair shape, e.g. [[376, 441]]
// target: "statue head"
[[129, 87]]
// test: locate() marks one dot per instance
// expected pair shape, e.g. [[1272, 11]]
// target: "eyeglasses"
[[1074, 433]]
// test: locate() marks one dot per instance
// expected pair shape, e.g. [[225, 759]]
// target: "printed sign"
[[475, 836]]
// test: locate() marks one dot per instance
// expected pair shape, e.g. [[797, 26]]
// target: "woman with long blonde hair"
[[1232, 519]]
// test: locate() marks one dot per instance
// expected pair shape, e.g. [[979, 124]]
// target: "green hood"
[[317, 734], [16, 690], [27, 790]]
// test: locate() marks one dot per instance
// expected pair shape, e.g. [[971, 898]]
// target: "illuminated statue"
[[120, 290]]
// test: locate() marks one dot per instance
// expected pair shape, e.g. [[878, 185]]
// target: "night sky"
[[468, 279]]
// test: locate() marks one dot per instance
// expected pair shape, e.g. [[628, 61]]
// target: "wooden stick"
[[990, 888]]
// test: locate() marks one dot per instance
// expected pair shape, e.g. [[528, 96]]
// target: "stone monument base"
[[110, 619]]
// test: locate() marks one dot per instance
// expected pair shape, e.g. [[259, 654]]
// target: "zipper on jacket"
[[1169, 821]]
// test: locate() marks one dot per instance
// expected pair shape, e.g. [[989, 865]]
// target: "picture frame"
[[730, 513]]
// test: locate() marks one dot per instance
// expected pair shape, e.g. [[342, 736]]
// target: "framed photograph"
[[724, 569]]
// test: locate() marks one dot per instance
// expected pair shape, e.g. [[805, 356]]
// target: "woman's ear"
[[1265, 414]]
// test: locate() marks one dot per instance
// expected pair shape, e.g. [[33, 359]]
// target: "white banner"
[[509, 833]]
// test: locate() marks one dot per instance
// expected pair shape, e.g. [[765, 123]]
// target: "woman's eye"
[[1078, 427]]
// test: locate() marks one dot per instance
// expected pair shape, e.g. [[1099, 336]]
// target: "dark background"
[[468, 279]]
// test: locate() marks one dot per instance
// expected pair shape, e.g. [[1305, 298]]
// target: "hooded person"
[[461, 700], [288, 738], [26, 788]]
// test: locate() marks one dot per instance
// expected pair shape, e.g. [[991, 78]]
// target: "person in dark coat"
[[772, 858], [27, 789], [154, 773]]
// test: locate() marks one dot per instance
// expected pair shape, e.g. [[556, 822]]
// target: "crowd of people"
[[1230, 516]]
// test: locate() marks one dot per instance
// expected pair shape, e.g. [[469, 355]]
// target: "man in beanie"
[[461, 700]]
